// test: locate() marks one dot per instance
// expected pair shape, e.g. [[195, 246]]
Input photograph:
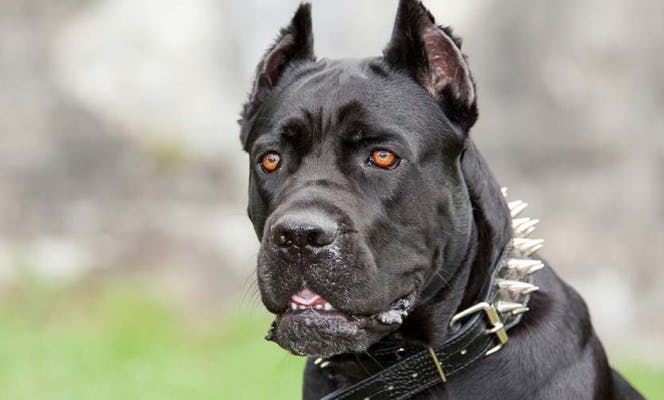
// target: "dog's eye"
[[270, 161], [383, 158]]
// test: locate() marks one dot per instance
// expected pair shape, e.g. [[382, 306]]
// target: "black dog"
[[380, 222]]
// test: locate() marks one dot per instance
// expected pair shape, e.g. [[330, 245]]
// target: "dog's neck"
[[452, 287], [428, 322], [472, 263]]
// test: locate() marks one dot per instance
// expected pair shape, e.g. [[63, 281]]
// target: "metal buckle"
[[497, 327]]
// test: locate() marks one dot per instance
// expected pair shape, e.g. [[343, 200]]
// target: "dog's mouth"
[[305, 299], [313, 326]]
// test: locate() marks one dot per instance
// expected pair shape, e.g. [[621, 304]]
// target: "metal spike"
[[516, 207], [527, 246], [524, 266], [516, 287], [527, 290], [527, 227], [516, 222], [520, 310], [507, 306], [514, 203], [522, 227], [534, 269], [503, 190], [528, 231]]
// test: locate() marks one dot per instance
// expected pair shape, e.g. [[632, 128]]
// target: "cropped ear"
[[295, 43], [431, 54]]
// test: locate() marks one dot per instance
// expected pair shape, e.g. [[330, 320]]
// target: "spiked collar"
[[475, 332]]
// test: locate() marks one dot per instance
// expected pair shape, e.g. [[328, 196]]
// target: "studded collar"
[[475, 332]]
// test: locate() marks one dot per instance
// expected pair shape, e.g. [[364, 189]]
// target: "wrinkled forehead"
[[364, 90]]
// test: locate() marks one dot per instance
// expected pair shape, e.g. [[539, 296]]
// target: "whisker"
[[251, 295], [442, 278], [374, 360], [361, 364]]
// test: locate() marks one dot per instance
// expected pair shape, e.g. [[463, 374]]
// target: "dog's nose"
[[304, 229]]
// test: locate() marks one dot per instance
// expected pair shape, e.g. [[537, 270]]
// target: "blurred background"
[[126, 258]]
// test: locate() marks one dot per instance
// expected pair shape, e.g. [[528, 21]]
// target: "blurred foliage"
[[118, 341], [168, 153]]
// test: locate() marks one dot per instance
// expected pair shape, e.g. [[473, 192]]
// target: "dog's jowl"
[[389, 253]]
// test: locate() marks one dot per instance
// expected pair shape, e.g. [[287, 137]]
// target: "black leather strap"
[[419, 372]]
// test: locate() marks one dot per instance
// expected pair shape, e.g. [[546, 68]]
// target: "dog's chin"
[[323, 334], [320, 333]]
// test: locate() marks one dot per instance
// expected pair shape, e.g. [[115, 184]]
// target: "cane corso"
[[380, 223]]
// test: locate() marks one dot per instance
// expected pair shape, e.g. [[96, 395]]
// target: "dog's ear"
[[432, 56], [295, 43]]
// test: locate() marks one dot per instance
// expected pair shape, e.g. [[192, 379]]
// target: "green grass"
[[123, 344], [648, 379], [120, 343]]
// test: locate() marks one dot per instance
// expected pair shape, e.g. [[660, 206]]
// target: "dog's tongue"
[[306, 297]]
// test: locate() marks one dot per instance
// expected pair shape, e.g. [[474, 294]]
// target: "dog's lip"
[[310, 330], [324, 319], [307, 300]]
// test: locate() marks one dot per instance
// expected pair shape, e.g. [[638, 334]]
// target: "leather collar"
[[475, 332]]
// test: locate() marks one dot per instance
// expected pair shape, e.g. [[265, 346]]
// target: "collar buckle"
[[497, 327]]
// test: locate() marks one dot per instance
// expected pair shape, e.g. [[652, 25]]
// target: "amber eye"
[[270, 161], [383, 158]]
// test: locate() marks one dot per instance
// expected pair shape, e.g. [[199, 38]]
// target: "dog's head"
[[357, 187]]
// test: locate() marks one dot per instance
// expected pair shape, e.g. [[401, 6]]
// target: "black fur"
[[428, 229]]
